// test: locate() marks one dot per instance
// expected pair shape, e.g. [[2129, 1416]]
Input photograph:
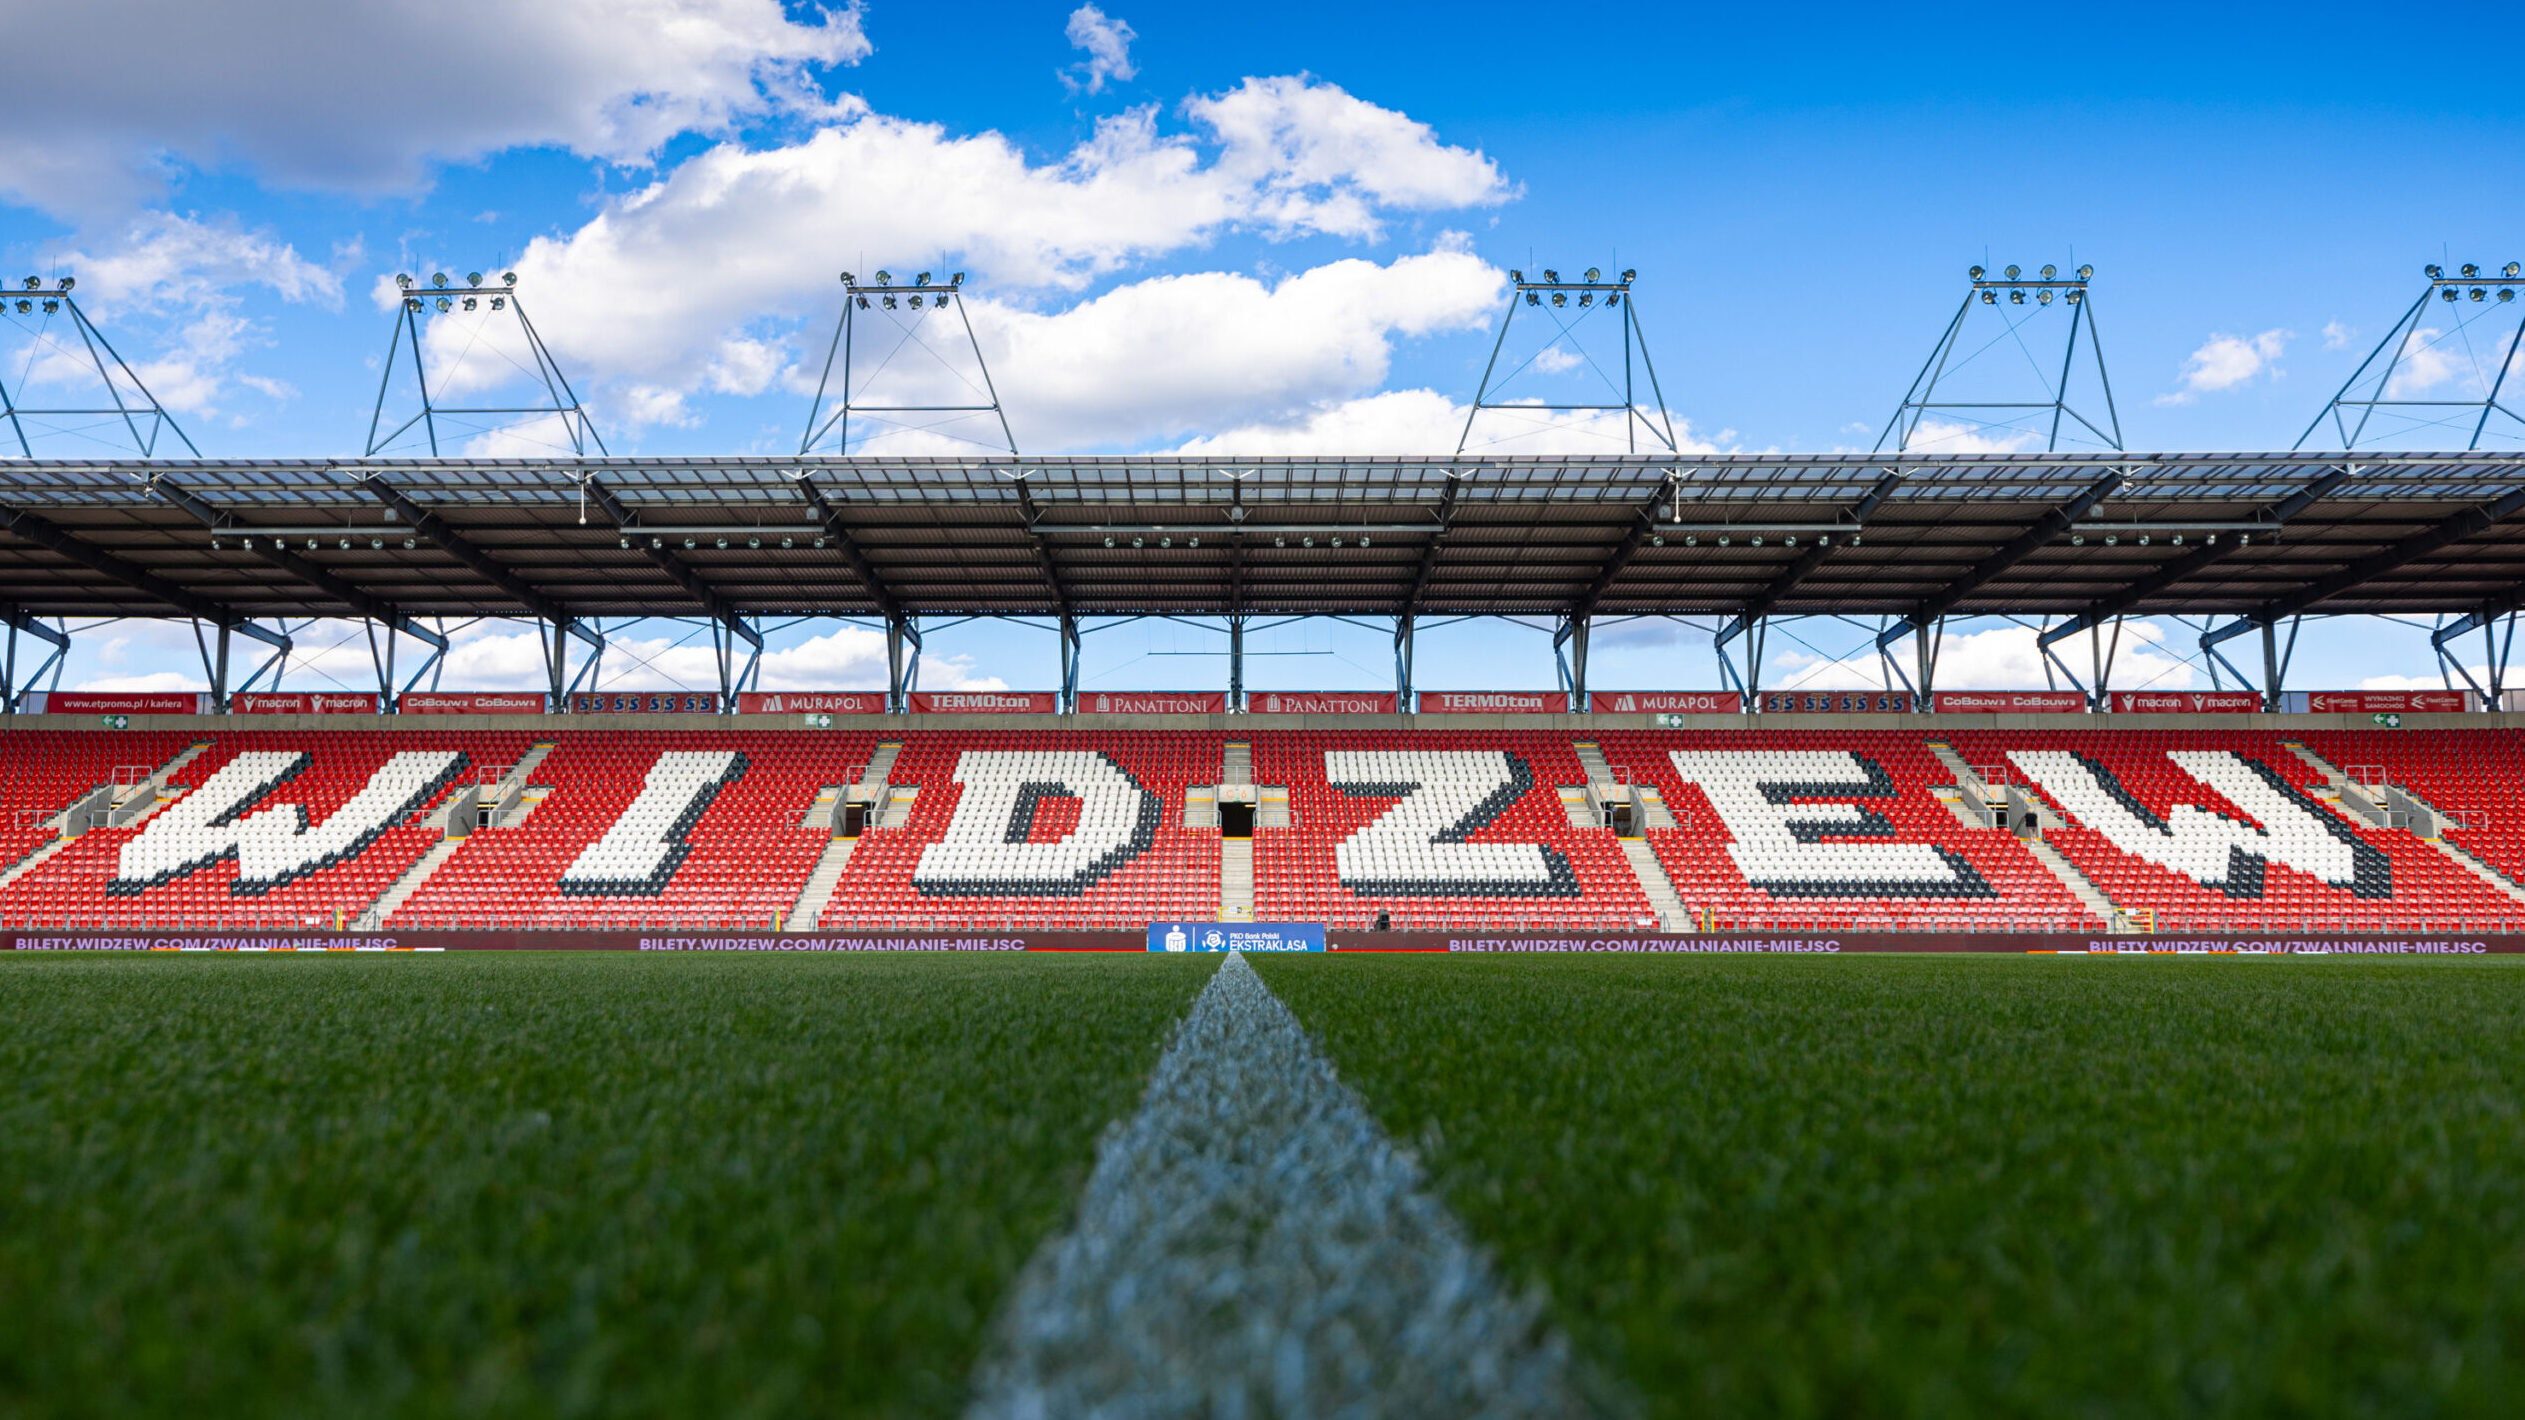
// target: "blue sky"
[[1249, 228]]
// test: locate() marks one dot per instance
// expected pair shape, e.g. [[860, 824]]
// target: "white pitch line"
[[1251, 1244]]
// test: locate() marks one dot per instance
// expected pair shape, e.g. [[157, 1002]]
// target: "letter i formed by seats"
[[638, 853]]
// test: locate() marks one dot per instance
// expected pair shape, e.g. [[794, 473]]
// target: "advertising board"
[[811, 702], [100, 702], [2369, 702], [1236, 936], [1320, 702], [2187, 702], [1834, 702], [2009, 702], [984, 702], [1152, 702], [303, 702], [645, 702], [1494, 702], [471, 702], [1666, 702]]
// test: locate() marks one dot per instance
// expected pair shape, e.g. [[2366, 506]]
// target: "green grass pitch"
[[575, 1185], [567, 1185], [1977, 1186]]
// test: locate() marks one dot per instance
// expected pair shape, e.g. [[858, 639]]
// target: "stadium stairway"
[[1236, 879], [1654, 885], [813, 898]]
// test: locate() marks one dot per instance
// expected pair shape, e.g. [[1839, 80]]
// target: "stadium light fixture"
[[1108, 539], [499, 303], [469, 303], [445, 304], [2086, 273], [346, 544], [1560, 298], [376, 544], [2471, 269], [438, 278], [1722, 539], [819, 542], [1989, 298], [2043, 297], [1138, 543], [956, 280], [1192, 542], [1974, 272], [2448, 292], [1166, 542], [69, 281], [1550, 276], [508, 278], [2507, 293], [1280, 542], [688, 544], [1306, 542], [2016, 296], [1517, 276], [1613, 298], [2478, 294], [2050, 271], [2510, 271], [2112, 539], [623, 542], [1629, 275], [1657, 540], [2077, 539], [2435, 271], [2012, 273], [473, 278], [1586, 298], [1691, 541], [723, 544], [1593, 275], [1532, 299], [408, 544], [885, 278]]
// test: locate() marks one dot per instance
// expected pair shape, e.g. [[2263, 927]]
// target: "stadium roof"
[[2033, 534]]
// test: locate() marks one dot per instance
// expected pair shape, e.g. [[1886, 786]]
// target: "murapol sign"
[[1236, 936]]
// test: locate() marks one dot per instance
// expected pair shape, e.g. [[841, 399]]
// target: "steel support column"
[[902, 678], [1569, 657], [1404, 626], [1070, 650], [11, 693], [1236, 663]]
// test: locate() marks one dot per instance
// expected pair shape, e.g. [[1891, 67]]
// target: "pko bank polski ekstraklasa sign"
[[1236, 936]]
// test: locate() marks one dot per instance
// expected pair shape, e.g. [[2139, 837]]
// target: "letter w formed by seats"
[[276, 846], [2209, 848]]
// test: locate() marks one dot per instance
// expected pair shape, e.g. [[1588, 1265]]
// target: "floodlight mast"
[[142, 416], [2012, 287], [2370, 387], [922, 296], [1552, 293], [440, 297]]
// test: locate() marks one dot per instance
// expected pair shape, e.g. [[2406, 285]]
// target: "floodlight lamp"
[[1629, 275], [916, 303], [508, 278], [2448, 292], [1560, 298], [1586, 298], [52, 307], [2073, 297], [921, 280], [2244, 539], [407, 544], [1280, 542], [445, 304], [754, 543], [657, 544], [1551, 276], [956, 280], [2143, 539], [214, 544], [889, 303], [2507, 293], [1613, 298], [1532, 299], [1791, 540], [69, 281], [1108, 540], [1658, 540], [863, 303], [473, 278], [2478, 294], [438, 278], [1990, 298], [1722, 539], [2509, 271], [1192, 542], [1139, 542], [2435, 272], [1691, 541], [2177, 539], [1593, 274], [2112, 540], [2043, 297], [787, 543], [2212, 539], [723, 544], [819, 542], [1854, 539], [2050, 271], [248, 544], [1974, 272], [688, 544], [885, 278], [2077, 539], [2471, 269], [376, 544], [2012, 273], [412, 303], [311, 544], [2086, 273], [2016, 296], [623, 542], [469, 303], [1166, 542], [1757, 539], [848, 279], [35, 283], [499, 303], [346, 544], [1517, 276], [1306, 542]]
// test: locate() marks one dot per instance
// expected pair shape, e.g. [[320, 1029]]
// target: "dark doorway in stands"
[[854, 820], [1236, 820]]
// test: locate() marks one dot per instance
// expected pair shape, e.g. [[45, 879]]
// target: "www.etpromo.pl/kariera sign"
[[1236, 936]]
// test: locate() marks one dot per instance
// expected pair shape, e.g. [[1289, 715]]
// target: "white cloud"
[[2480, 676], [1322, 160], [1425, 422], [1945, 436], [1107, 41], [2224, 362], [2002, 658], [2336, 336], [368, 96], [2425, 365], [177, 280], [1553, 360], [154, 682]]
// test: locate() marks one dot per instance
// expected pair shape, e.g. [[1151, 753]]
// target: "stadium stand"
[[1806, 829], [2226, 831], [1435, 829], [2174, 831], [1039, 828]]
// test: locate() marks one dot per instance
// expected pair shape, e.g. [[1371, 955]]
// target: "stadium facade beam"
[[222, 523], [12, 693], [1041, 546], [1437, 543], [1813, 557], [2401, 554], [427, 524], [53, 538], [902, 678], [2047, 527], [828, 514], [2197, 560], [1569, 658], [628, 525]]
